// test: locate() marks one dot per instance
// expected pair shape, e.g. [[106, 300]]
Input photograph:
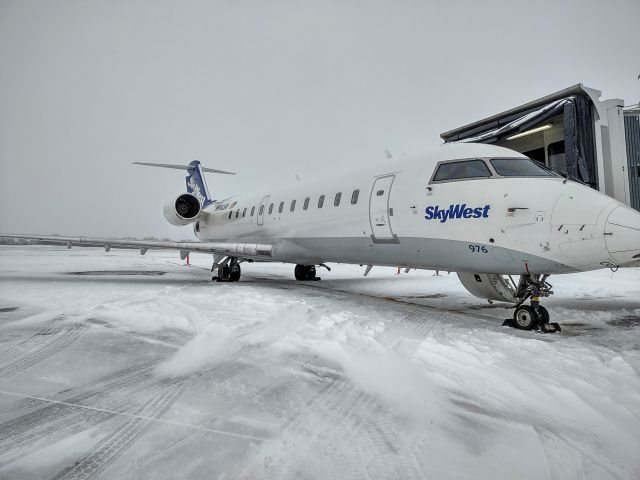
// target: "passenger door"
[[262, 208], [379, 211]]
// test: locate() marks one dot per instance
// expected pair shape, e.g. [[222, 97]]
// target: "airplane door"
[[379, 212], [262, 208]]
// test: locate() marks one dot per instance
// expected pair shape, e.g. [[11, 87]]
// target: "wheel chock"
[[509, 322], [551, 327]]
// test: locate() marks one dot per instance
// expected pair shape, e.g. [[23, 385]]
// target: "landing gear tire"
[[229, 272], [234, 272], [543, 315], [525, 317], [544, 324], [223, 274], [305, 272]]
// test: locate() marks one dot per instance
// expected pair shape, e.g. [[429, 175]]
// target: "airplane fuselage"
[[398, 214]]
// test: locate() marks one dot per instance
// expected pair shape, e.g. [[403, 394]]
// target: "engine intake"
[[183, 210]]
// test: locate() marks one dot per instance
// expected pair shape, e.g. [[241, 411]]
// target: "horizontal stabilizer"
[[183, 167]]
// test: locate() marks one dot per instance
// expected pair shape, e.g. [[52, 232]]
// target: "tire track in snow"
[[110, 380], [220, 368], [296, 424], [50, 411], [367, 427], [257, 399], [337, 413], [347, 428], [78, 419], [445, 316], [37, 348], [375, 436], [110, 448], [117, 442], [30, 343], [419, 322], [389, 447], [49, 421]]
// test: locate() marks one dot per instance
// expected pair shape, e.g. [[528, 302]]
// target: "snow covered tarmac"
[[114, 365]]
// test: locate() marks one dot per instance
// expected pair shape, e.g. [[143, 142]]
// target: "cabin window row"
[[305, 205]]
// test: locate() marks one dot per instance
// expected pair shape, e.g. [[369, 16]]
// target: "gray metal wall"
[[632, 134]]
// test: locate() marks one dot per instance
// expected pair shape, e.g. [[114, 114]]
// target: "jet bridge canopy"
[[557, 130]]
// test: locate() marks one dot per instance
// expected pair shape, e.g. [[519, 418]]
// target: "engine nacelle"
[[183, 210]]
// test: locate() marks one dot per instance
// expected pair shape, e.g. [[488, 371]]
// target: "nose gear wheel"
[[525, 317], [534, 316]]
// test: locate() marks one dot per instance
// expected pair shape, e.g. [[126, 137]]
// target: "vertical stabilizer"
[[196, 184]]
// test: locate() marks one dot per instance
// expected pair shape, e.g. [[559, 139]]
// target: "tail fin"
[[196, 183]]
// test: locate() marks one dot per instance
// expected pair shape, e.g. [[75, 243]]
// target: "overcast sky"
[[265, 88]]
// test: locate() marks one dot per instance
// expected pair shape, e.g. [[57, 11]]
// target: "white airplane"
[[483, 211]]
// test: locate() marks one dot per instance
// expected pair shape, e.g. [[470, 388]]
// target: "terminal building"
[[573, 132]]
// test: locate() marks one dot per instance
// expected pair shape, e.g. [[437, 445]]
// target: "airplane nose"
[[622, 235]]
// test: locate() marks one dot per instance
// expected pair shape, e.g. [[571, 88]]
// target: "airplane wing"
[[249, 250]]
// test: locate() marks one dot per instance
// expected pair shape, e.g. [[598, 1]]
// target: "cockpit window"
[[520, 167], [462, 169]]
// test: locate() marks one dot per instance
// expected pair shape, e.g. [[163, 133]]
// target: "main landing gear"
[[305, 272], [229, 271], [308, 272], [533, 316]]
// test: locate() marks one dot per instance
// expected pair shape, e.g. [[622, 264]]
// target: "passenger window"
[[306, 203], [253, 210], [293, 205], [244, 212], [354, 197], [270, 209], [261, 211], [321, 201], [280, 207], [336, 202], [462, 169]]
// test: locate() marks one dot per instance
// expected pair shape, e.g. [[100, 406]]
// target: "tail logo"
[[196, 184], [194, 188]]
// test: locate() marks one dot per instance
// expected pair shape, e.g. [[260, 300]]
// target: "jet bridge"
[[571, 131]]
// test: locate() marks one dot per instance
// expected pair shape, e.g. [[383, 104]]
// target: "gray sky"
[[267, 89]]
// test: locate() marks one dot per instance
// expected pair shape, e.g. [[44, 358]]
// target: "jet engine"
[[489, 286], [183, 210]]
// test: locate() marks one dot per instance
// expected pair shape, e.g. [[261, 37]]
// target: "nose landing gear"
[[534, 316]]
